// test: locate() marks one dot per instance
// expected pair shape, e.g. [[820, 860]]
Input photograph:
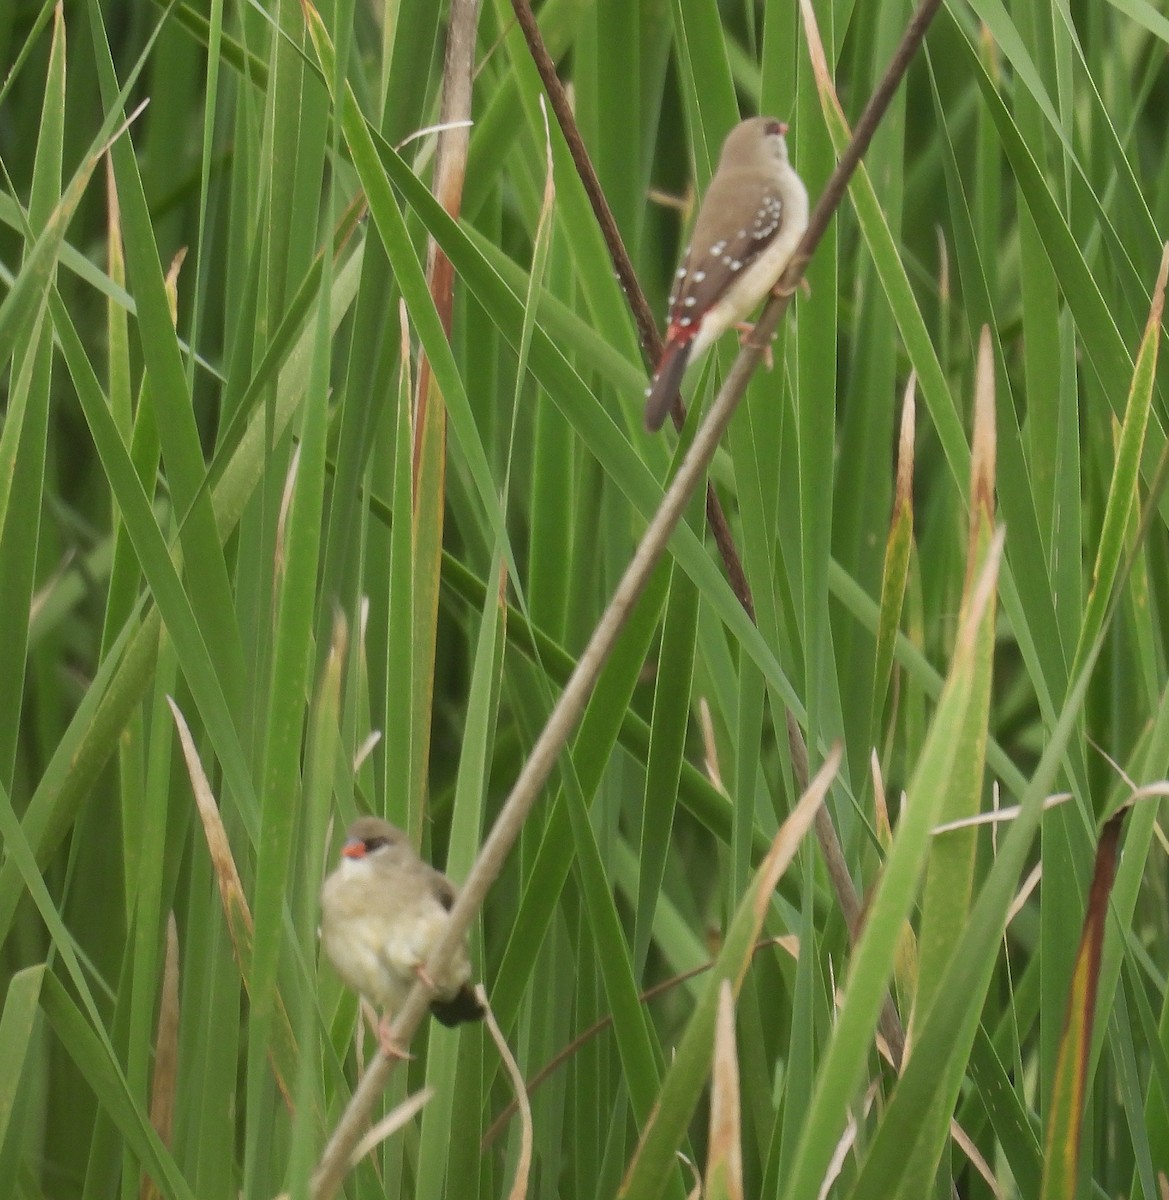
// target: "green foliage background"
[[152, 546]]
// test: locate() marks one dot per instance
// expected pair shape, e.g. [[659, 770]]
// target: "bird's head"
[[756, 141], [368, 835]]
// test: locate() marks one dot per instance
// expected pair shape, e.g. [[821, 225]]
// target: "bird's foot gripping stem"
[[746, 332], [388, 1043]]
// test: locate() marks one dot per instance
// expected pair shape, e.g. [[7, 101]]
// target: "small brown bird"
[[751, 220], [382, 910]]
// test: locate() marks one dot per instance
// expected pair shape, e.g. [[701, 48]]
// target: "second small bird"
[[751, 220], [382, 911]]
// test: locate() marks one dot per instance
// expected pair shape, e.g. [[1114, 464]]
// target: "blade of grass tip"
[[397, 718], [950, 871], [138, 432], [22, 1002], [241, 928], [1122, 492], [1062, 1144], [898, 551], [1140, 601], [31, 43], [30, 289], [231, 888]]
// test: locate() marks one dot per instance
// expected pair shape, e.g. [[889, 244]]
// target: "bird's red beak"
[[354, 848], [783, 128]]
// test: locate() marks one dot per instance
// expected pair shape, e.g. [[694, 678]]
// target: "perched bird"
[[382, 910], [751, 220]]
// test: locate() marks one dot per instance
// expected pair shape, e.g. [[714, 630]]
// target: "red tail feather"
[[666, 383]]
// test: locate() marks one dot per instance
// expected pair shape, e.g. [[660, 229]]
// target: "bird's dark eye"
[[774, 127], [375, 843]]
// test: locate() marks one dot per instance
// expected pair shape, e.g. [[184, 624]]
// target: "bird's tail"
[[666, 382], [462, 1006]]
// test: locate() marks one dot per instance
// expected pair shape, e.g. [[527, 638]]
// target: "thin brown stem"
[[643, 317], [647, 327]]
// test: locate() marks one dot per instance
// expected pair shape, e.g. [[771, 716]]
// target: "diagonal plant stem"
[[569, 708]]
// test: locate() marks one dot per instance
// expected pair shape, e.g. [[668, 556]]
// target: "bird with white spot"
[[756, 192]]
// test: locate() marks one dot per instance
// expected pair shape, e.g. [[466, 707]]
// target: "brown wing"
[[737, 222]]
